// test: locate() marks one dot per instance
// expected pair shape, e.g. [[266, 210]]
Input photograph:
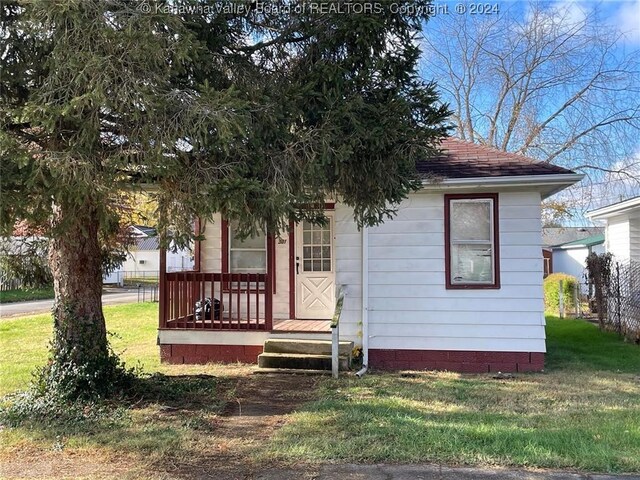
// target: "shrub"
[[25, 259], [552, 293]]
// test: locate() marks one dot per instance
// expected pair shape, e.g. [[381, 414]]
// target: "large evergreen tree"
[[258, 114]]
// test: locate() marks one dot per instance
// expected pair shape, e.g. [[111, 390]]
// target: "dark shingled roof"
[[460, 159], [147, 243], [556, 236]]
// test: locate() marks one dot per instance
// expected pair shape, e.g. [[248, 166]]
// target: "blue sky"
[[619, 16]]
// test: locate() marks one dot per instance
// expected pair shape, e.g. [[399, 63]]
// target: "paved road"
[[43, 306]]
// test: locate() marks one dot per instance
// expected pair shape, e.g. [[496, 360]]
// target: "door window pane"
[[316, 249]]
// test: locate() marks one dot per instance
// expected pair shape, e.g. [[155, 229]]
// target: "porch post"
[[162, 287], [269, 288], [197, 247]]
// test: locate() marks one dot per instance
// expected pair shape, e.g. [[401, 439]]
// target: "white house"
[[570, 247], [622, 230], [453, 282], [143, 258]]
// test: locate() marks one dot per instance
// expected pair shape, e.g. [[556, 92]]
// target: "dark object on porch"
[[203, 309]]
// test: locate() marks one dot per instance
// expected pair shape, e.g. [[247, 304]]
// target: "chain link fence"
[[616, 294]]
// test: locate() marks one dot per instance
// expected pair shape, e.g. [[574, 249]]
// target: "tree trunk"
[[76, 265]]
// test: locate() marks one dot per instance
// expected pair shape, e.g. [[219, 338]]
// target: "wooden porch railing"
[[239, 301]]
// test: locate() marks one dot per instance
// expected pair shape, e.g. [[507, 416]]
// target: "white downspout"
[[364, 233]]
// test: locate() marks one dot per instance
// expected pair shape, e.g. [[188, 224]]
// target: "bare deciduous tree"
[[551, 83]]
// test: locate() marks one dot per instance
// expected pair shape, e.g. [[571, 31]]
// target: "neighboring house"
[[143, 257], [622, 240], [571, 257], [453, 282], [566, 249], [622, 230]]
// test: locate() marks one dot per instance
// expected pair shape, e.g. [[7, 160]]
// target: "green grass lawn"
[[582, 413], [173, 423], [23, 341], [26, 294]]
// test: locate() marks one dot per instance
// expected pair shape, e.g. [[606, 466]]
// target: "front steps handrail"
[[335, 333]]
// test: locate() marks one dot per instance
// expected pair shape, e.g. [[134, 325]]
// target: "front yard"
[[583, 413]]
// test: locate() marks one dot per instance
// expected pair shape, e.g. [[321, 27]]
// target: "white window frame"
[[245, 249]]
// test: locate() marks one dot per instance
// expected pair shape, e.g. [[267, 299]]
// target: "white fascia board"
[[612, 210], [550, 184]]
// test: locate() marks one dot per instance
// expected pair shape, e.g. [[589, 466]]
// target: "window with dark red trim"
[[472, 253], [248, 256]]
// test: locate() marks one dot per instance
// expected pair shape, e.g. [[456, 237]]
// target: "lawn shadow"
[[159, 414]]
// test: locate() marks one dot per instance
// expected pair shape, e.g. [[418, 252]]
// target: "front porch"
[[239, 302], [237, 326], [243, 294]]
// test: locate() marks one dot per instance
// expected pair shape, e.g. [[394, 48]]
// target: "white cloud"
[[559, 14], [626, 18]]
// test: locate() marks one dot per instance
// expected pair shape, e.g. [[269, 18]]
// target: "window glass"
[[316, 247], [471, 263], [248, 255], [246, 261], [471, 239], [257, 242], [470, 220]]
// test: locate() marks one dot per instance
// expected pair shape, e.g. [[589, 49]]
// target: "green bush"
[[552, 292]]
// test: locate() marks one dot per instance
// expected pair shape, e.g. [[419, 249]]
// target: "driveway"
[[110, 297]]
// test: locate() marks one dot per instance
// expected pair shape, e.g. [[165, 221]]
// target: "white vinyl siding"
[[211, 246], [618, 237], [409, 305], [634, 239]]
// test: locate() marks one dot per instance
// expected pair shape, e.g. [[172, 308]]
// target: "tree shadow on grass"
[[159, 415]]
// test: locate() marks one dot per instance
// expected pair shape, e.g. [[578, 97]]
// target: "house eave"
[[613, 210], [547, 184]]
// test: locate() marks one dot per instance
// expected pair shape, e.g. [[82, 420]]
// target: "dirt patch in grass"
[[261, 405], [220, 444], [31, 463]]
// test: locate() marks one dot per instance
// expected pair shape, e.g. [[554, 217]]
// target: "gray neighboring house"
[[566, 248]]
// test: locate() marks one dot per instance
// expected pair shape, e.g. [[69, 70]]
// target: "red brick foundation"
[[456, 360], [200, 354], [451, 360]]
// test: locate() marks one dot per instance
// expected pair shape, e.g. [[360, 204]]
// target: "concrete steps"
[[302, 354]]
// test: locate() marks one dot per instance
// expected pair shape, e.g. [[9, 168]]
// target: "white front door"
[[315, 271]]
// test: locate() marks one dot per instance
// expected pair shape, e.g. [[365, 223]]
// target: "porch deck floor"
[[279, 325], [319, 326]]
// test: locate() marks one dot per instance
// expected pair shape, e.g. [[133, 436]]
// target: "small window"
[[248, 255], [471, 241]]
